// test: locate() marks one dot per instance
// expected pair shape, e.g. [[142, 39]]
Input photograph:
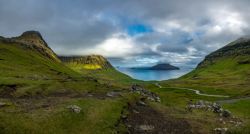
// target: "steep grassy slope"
[[36, 89], [33, 40], [225, 70], [28, 71], [98, 67]]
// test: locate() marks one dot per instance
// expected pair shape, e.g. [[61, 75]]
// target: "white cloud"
[[118, 45], [227, 20]]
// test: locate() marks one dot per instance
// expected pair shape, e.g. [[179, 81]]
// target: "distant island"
[[162, 66]]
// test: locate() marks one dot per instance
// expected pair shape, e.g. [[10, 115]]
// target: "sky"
[[130, 32]]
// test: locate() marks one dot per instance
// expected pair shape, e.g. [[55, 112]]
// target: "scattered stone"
[[113, 94], [235, 123], [90, 95], [124, 116], [135, 111], [146, 127], [141, 103], [226, 113], [74, 108], [220, 130], [147, 94], [129, 125], [3, 104]]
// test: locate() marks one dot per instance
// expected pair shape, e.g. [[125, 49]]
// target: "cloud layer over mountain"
[[128, 31]]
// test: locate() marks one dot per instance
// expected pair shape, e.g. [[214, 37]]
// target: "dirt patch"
[[7, 91], [142, 119]]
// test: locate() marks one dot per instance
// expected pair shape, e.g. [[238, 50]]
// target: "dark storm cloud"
[[187, 29]]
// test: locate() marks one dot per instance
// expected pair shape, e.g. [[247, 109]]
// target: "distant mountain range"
[[162, 66]]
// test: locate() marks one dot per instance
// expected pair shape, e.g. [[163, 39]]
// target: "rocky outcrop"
[[209, 106], [93, 60], [147, 94], [33, 40], [240, 47], [74, 108]]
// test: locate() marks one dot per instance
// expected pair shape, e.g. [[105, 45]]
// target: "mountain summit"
[[35, 41]]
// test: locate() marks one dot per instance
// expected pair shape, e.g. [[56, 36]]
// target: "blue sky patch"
[[138, 29]]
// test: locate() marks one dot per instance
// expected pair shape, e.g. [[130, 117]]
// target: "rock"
[[129, 125], [124, 116], [113, 94], [216, 108], [147, 94], [141, 103], [90, 95], [135, 111], [74, 108], [2, 104], [146, 127], [220, 130], [226, 113]]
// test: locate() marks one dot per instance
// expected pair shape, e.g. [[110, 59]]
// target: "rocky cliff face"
[[90, 61], [35, 41], [240, 47]]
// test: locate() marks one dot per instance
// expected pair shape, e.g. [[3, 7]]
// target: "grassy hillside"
[[29, 72], [98, 67], [35, 91], [226, 70], [89, 62]]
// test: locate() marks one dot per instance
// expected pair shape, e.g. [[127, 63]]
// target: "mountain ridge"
[[87, 61], [233, 49], [33, 40]]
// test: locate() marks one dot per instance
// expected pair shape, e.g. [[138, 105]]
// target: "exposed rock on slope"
[[33, 40], [87, 62]]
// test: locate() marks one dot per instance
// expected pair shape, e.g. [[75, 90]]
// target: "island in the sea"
[[161, 66]]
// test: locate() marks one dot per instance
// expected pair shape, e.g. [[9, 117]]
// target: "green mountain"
[[98, 67], [33, 40], [91, 62], [226, 68], [28, 67], [39, 94]]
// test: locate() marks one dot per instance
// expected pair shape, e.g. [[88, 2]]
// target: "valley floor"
[[121, 111]]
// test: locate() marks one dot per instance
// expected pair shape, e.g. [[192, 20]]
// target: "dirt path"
[[143, 119], [232, 100], [195, 91]]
